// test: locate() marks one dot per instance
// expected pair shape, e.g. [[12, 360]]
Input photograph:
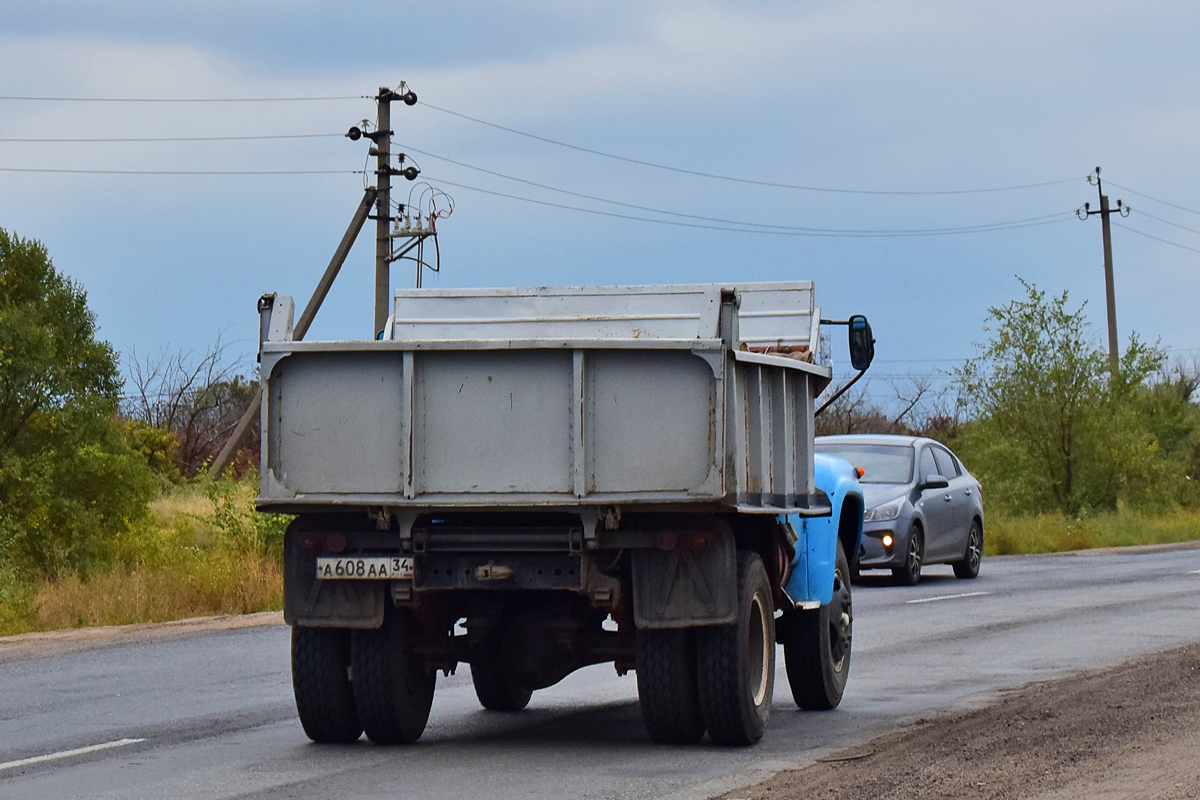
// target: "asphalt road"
[[210, 715]]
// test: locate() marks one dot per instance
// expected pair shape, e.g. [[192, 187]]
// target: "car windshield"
[[881, 463]]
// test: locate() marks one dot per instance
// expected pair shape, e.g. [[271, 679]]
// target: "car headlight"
[[886, 512]]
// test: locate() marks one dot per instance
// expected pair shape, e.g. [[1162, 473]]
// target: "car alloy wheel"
[[909, 573], [968, 567]]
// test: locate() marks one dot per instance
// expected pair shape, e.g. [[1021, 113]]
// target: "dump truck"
[[531, 481]]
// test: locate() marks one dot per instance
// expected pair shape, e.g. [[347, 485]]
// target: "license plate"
[[365, 568]]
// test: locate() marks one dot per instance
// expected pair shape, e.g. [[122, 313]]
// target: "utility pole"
[[1114, 358], [382, 150], [383, 208]]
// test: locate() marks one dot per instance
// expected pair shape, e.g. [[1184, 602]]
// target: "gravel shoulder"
[[1130, 731]]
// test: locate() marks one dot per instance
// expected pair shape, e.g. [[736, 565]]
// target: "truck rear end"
[[534, 480]]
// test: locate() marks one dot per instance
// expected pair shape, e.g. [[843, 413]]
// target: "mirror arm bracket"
[[840, 392]]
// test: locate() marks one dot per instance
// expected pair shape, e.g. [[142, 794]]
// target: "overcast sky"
[[918, 96]]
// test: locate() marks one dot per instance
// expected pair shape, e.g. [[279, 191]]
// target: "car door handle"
[[967, 492], [946, 498]]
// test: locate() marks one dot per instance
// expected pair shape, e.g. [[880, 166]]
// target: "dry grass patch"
[[123, 596], [203, 550]]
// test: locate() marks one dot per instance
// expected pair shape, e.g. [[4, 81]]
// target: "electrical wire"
[[187, 171], [815, 232], [179, 99], [1166, 221], [176, 138], [734, 179], [916, 360], [705, 218], [1157, 239], [1155, 199]]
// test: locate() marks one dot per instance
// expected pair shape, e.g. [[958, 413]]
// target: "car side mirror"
[[935, 482], [862, 343]]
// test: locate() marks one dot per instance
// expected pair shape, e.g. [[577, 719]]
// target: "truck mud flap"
[[689, 579], [314, 603]]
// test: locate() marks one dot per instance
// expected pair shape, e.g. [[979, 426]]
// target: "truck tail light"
[[316, 542]]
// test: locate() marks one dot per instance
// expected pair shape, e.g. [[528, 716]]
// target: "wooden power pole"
[[1114, 356]]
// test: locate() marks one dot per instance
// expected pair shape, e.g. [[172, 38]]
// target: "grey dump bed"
[[550, 398]]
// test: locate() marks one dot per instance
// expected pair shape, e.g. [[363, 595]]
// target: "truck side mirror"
[[862, 343]]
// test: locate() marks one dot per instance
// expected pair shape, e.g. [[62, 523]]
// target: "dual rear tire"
[[348, 682], [719, 678]]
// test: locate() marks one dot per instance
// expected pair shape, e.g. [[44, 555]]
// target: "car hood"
[[876, 494]]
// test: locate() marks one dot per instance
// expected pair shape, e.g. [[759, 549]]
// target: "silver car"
[[922, 506]]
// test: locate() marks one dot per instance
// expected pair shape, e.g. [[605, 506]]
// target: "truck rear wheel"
[[816, 645], [392, 689], [668, 687], [736, 663], [321, 683], [495, 682]]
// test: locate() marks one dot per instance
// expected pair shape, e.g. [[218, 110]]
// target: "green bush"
[[238, 521], [69, 482]]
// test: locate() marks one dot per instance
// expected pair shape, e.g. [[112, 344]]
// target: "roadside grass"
[[202, 550], [1053, 533]]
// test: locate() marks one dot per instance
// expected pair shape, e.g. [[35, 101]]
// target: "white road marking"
[[947, 597], [78, 751], [1194, 572]]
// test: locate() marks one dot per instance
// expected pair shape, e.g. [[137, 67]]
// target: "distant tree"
[[1051, 430], [68, 481], [197, 401]]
